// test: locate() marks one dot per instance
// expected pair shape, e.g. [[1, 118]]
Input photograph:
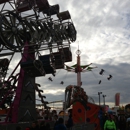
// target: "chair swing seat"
[[33, 68], [49, 70], [47, 64], [67, 54], [71, 32], [42, 5], [52, 10], [4, 64], [24, 5], [59, 60], [64, 15]]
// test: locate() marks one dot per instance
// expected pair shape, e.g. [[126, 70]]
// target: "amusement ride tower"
[[75, 93], [78, 69], [30, 34]]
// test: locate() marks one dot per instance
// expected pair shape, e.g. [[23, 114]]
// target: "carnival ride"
[[75, 93], [29, 27]]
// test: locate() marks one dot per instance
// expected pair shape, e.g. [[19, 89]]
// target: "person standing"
[[42, 125], [109, 124], [56, 120], [34, 126], [60, 125], [122, 123], [128, 123], [116, 120], [69, 123], [100, 116]]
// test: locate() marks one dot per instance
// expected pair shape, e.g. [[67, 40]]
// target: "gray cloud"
[[103, 36]]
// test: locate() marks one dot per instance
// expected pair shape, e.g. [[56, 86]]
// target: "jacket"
[[109, 125]]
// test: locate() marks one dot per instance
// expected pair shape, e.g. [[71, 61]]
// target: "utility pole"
[[104, 99], [99, 96]]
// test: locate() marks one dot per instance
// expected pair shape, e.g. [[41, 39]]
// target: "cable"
[[95, 76], [58, 71], [62, 82]]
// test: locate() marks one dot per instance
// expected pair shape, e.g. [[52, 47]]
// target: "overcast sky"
[[103, 35], [104, 38]]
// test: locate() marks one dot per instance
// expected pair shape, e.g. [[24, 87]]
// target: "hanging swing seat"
[[4, 64], [71, 32], [64, 15], [59, 60], [33, 68], [42, 5], [52, 10], [67, 54], [24, 5], [47, 64]]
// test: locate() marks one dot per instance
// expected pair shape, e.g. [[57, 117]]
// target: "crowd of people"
[[58, 123], [110, 121]]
